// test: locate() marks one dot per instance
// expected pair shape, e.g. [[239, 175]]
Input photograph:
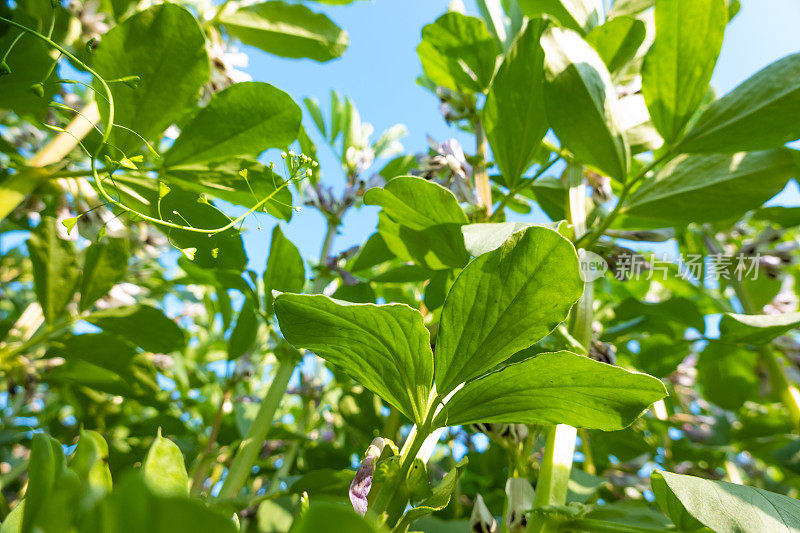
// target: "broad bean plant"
[[581, 320]]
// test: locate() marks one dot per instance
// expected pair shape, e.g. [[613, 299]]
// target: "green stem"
[[291, 454], [388, 498], [591, 238], [327, 244], [481, 177], [524, 184], [250, 447]]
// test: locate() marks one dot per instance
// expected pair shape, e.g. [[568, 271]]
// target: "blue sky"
[[379, 69]]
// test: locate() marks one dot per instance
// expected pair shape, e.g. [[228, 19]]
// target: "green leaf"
[[29, 62], [285, 270], [420, 221], [678, 68], [514, 114], [723, 507], [505, 301], [577, 15], [90, 462], [417, 203], [101, 349], [484, 237], [143, 325], [243, 120], [760, 113], [582, 104], [680, 192], [617, 41], [323, 517], [727, 374], [287, 30], [756, 329], [46, 463], [132, 508], [105, 265], [165, 47], [384, 347], [629, 7], [244, 332], [438, 500], [458, 52], [163, 470], [786, 217], [554, 388], [55, 269], [225, 181]]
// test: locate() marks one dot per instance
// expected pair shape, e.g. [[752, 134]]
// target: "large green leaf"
[[143, 325], [55, 269], [29, 62], [417, 203], [727, 374], [421, 222], [582, 104], [756, 329], [617, 41], [163, 469], [244, 333], [682, 192], [243, 120], [487, 236], [723, 507], [105, 265], [165, 47], [577, 15], [288, 30], [554, 388], [503, 302], [763, 112], [458, 52], [514, 115], [384, 347], [285, 270], [678, 67]]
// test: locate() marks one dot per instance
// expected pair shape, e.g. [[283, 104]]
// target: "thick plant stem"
[[482, 186], [250, 447], [248, 450], [551, 488]]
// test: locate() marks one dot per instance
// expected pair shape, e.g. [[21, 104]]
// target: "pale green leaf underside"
[[555, 388], [756, 329], [384, 347], [680, 192], [581, 103], [725, 507]]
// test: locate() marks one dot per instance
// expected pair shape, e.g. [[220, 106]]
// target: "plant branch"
[[250, 447], [481, 177]]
